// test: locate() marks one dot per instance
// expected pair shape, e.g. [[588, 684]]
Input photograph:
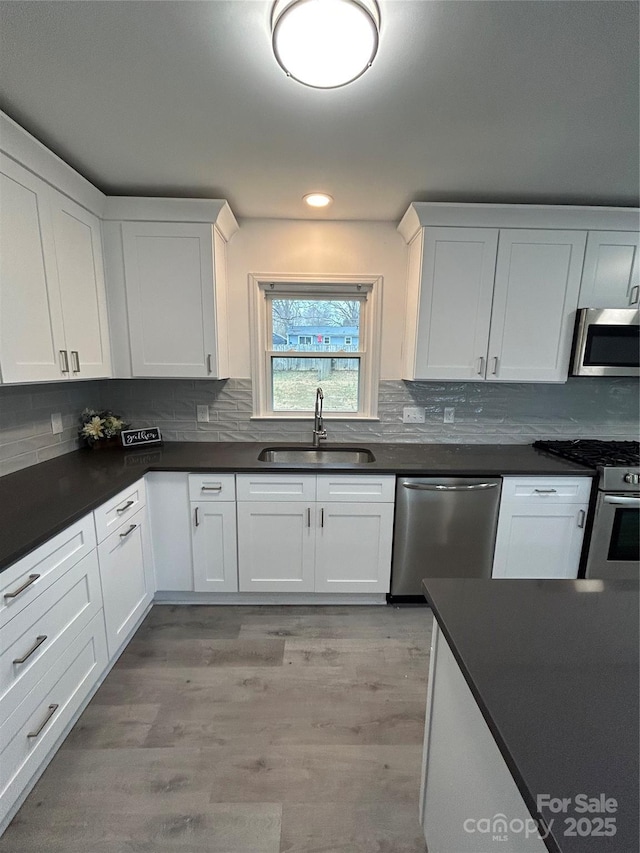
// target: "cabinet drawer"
[[276, 487], [212, 487], [32, 641], [549, 489], [25, 580], [36, 724], [359, 487], [115, 512]]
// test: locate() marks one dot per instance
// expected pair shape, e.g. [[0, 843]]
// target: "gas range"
[[617, 462]]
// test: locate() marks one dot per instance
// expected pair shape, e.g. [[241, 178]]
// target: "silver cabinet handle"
[[495, 365], [64, 358], [481, 366], [27, 583], [125, 507], [437, 487], [50, 712], [25, 657], [635, 292], [581, 517], [545, 491], [127, 532], [217, 488], [209, 368], [75, 360], [322, 517], [196, 517], [308, 516]]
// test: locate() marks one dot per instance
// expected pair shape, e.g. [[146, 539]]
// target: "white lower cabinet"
[[541, 527], [322, 540], [127, 579], [353, 547], [215, 558], [276, 546]]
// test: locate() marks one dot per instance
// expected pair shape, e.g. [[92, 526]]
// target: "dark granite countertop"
[[553, 666], [39, 501]]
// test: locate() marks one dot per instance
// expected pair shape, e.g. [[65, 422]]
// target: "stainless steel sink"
[[317, 455]]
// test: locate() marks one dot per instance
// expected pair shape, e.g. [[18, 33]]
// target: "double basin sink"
[[317, 455]]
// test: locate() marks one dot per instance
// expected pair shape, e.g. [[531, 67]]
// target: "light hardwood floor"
[[245, 730]]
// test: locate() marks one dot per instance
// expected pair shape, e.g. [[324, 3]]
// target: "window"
[[314, 318]]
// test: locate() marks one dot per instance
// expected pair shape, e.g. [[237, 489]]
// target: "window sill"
[[309, 417]]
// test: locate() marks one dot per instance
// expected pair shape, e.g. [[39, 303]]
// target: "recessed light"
[[317, 199], [325, 43]]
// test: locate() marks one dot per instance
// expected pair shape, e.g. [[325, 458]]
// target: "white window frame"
[[348, 340], [368, 288], [326, 340], [308, 340]]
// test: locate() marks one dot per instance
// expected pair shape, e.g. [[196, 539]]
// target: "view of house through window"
[[315, 342]]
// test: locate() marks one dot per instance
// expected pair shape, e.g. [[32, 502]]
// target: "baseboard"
[[309, 598]]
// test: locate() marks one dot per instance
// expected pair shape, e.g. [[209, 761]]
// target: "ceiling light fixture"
[[325, 43], [317, 199]]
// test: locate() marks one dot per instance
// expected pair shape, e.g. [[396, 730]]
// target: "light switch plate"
[[412, 415], [56, 423], [449, 414], [202, 414]]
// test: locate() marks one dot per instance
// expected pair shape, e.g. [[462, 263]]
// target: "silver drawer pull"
[[127, 532], [50, 712], [437, 487], [209, 367], [196, 517], [75, 360], [39, 641], [480, 370], [635, 291], [64, 359], [125, 507], [27, 583], [581, 518], [211, 488], [545, 491]]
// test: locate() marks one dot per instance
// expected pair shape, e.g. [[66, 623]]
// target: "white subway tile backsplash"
[[485, 413]]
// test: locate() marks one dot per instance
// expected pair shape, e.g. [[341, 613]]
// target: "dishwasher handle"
[[435, 487]]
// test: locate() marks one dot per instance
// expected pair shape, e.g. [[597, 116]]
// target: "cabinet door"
[[539, 541], [535, 298], [31, 329], [276, 546], [353, 547], [81, 278], [611, 277], [456, 288], [169, 277], [127, 579], [169, 517], [215, 556]]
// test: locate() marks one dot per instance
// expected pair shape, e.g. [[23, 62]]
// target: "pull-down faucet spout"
[[319, 432]]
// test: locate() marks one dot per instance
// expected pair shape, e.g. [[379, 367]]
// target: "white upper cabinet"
[[534, 303], [31, 328], [451, 272], [492, 304], [54, 316], [611, 276], [166, 272], [492, 290], [81, 278]]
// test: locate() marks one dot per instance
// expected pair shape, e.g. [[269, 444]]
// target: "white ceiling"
[[519, 101]]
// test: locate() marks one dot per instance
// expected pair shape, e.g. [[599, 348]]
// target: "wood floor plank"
[[253, 729]]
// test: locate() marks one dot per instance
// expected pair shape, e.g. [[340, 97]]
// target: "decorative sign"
[[135, 437]]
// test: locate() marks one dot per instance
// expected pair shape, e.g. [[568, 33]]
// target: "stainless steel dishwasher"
[[444, 527]]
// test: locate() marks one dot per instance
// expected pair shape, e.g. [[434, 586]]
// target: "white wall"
[[318, 248]]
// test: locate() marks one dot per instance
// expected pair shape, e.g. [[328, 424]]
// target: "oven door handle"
[[622, 500]]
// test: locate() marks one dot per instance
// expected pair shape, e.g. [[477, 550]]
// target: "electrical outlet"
[[412, 415], [56, 423], [202, 414], [449, 414]]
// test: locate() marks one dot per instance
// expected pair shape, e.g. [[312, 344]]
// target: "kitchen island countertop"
[[553, 666], [39, 501]]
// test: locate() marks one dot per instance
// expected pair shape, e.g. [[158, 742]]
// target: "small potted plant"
[[99, 429]]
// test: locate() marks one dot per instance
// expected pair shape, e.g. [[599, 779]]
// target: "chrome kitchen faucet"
[[319, 432]]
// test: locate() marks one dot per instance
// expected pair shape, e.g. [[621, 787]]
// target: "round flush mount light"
[[325, 43], [317, 199]]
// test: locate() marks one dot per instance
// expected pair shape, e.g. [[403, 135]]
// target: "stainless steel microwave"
[[607, 342]]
